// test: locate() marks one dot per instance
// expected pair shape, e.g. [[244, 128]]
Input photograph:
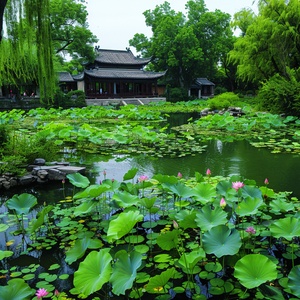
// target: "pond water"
[[222, 158]]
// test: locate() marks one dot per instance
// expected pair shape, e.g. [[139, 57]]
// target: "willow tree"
[[26, 54]]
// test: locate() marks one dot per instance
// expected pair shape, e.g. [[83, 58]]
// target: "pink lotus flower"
[[223, 203], [208, 172], [250, 230], [40, 293], [266, 181], [143, 178], [179, 175], [237, 185]]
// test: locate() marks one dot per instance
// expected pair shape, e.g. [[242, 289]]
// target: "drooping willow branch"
[[26, 54]]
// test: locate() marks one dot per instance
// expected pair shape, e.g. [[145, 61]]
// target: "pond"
[[222, 158]]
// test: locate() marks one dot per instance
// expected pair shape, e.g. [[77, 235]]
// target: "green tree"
[[269, 52], [69, 30], [188, 46]]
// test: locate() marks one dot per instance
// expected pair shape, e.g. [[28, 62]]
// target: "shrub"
[[223, 101]]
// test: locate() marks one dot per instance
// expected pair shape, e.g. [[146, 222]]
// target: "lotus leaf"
[[255, 269], [221, 240], [168, 240], [122, 225], [249, 206], [208, 218], [78, 180], [125, 270], [93, 272], [287, 228], [157, 283], [22, 203], [81, 245], [16, 289], [204, 193], [293, 280]]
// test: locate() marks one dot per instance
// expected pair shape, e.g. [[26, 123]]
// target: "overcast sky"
[[115, 22]]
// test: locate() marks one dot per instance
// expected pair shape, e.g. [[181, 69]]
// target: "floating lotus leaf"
[[125, 270], [255, 269], [221, 240], [287, 228], [93, 272]]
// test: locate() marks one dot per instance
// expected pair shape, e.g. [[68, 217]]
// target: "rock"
[[27, 179], [39, 161], [42, 174], [54, 174]]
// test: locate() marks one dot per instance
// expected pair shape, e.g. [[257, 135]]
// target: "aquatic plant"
[[163, 236]]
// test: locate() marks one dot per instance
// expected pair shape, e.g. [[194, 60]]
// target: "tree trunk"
[[2, 7]]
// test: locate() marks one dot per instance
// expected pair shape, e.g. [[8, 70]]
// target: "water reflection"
[[222, 158]]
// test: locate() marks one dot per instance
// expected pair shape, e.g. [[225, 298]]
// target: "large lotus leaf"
[[93, 272], [78, 180], [179, 189], [186, 218], [208, 218], [251, 191], [204, 193], [147, 202], [85, 207], [22, 203], [223, 187], [221, 240], [130, 174], [16, 289], [156, 284], [122, 225], [249, 206], [189, 260], [40, 219], [168, 240], [81, 245], [124, 271], [125, 199], [280, 205], [293, 281], [165, 178], [287, 228], [92, 191], [254, 269]]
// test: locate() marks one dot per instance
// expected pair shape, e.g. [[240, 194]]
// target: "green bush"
[[223, 101], [281, 95]]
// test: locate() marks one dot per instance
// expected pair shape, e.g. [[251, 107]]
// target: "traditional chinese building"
[[117, 74], [202, 88]]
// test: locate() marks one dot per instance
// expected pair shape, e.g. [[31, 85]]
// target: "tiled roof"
[[203, 81], [123, 73], [65, 77], [121, 57]]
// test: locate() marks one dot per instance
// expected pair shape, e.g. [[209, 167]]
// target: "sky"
[[115, 22]]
